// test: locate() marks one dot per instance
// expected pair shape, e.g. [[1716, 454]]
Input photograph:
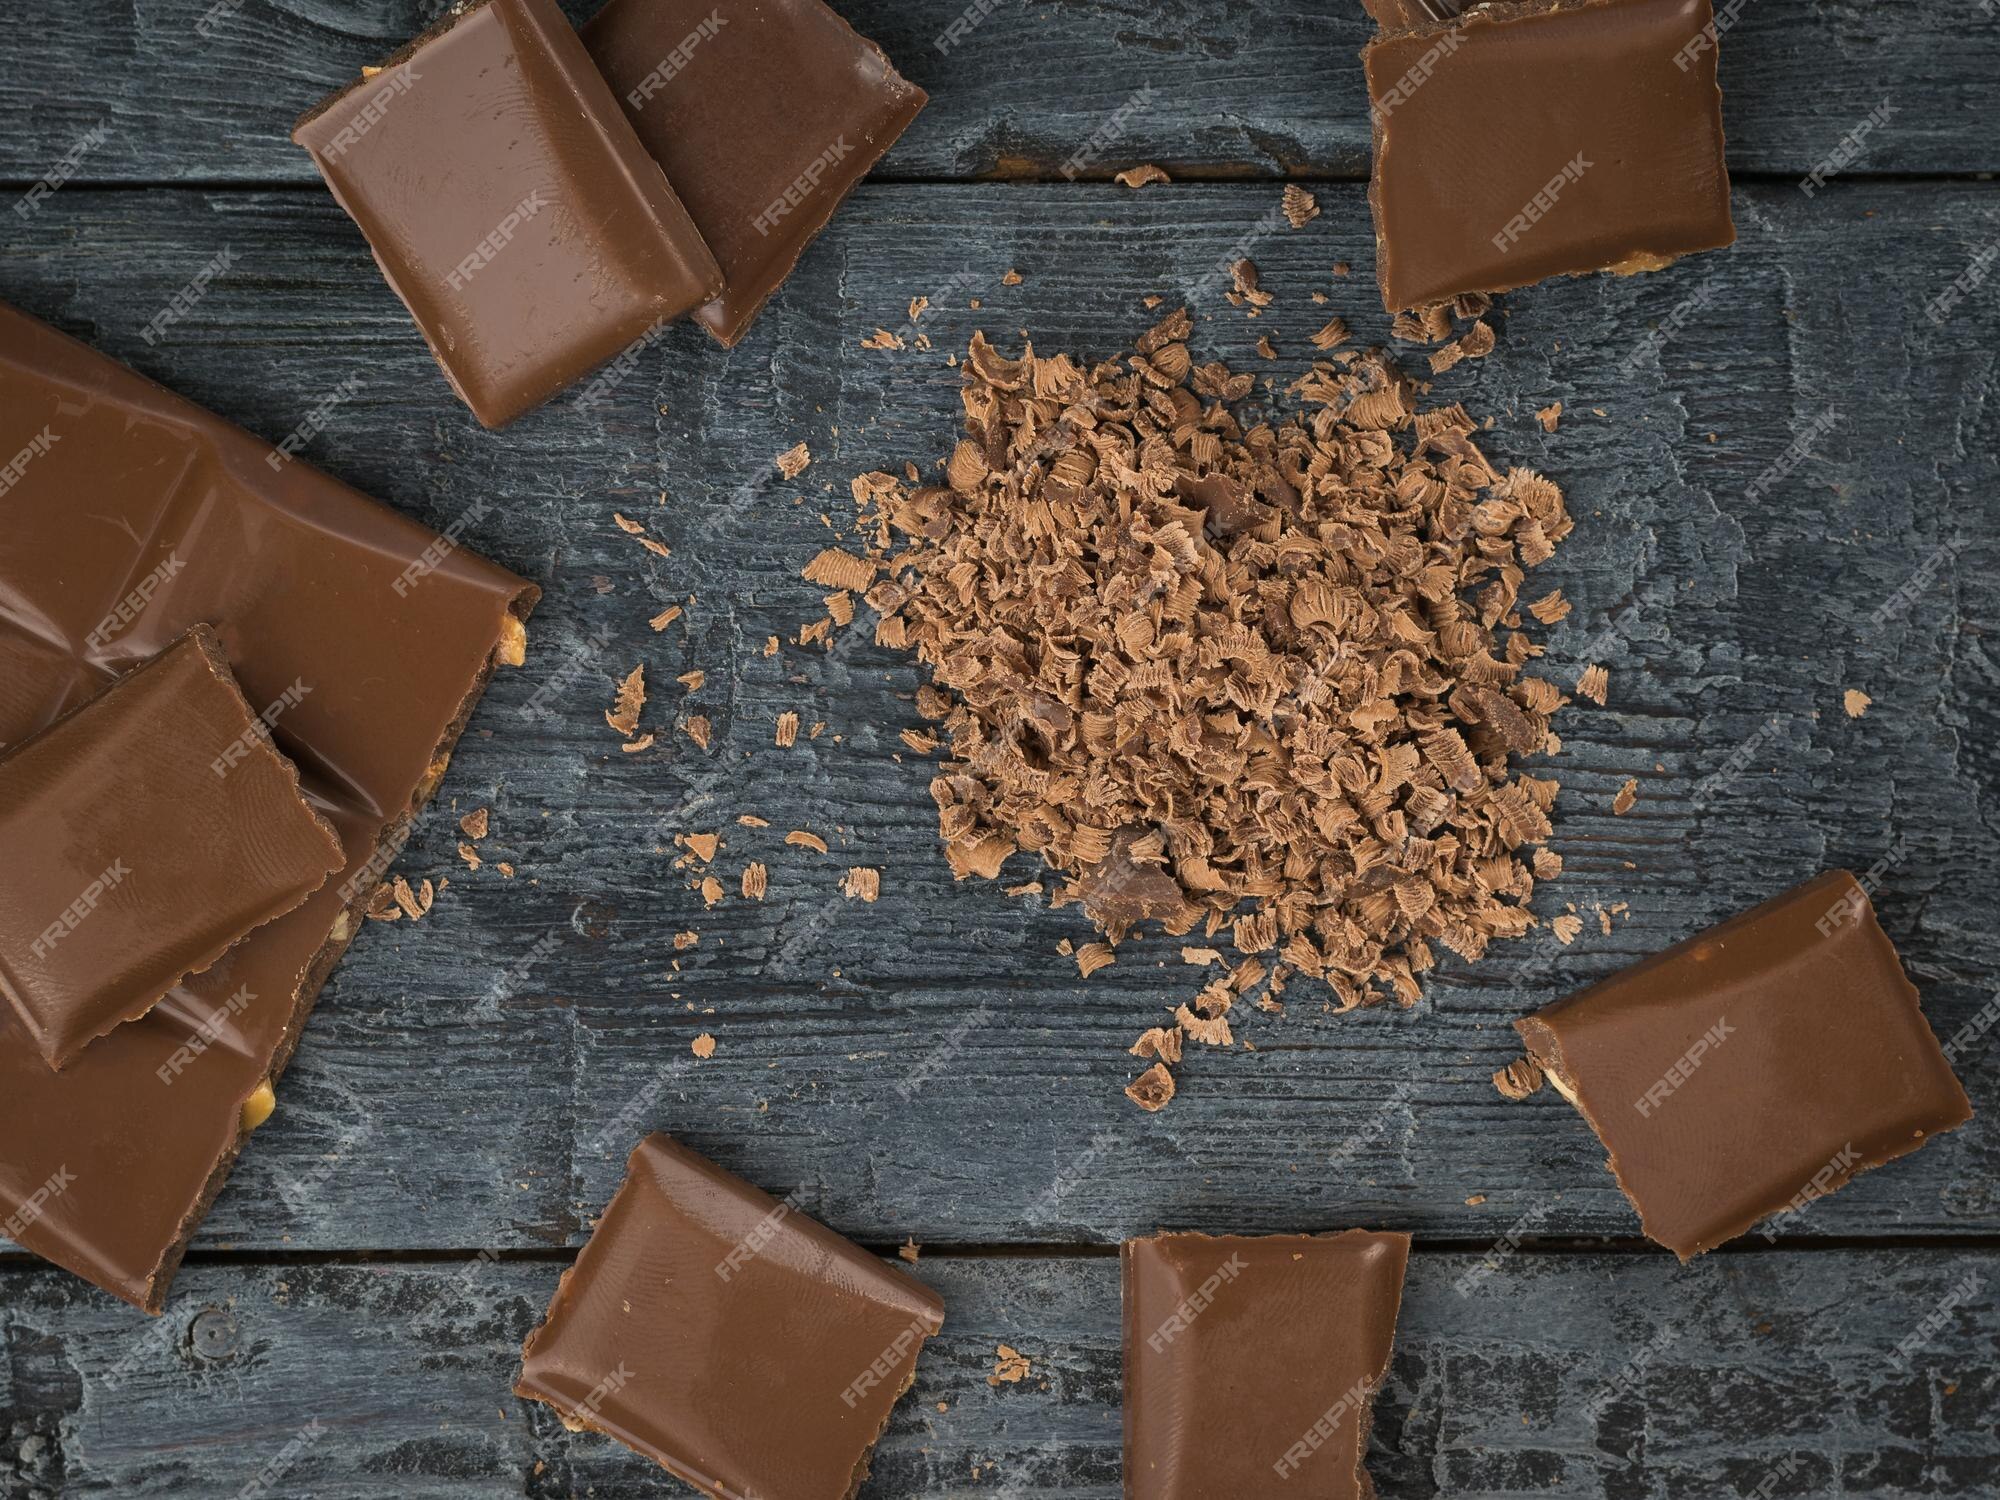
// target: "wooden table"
[[929, 1066]]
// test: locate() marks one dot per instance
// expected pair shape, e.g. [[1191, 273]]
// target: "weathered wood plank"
[[1592, 1377], [196, 90], [930, 1064]]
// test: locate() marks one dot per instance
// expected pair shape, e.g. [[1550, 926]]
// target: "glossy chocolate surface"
[[137, 517], [749, 1350], [1250, 1362], [764, 115], [1525, 141], [1754, 1067], [143, 834], [509, 204]]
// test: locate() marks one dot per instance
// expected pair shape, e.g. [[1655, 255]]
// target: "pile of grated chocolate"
[[1265, 683]]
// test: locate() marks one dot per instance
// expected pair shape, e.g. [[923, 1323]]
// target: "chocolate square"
[[1549, 137], [1754, 1067], [509, 204], [1251, 1363], [145, 833], [748, 1350], [764, 116]]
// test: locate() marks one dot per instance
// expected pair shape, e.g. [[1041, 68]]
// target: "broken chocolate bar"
[[1548, 137], [144, 833], [1752, 1068], [509, 204], [1251, 1363], [139, 517], [723, 1334], [764, 118]]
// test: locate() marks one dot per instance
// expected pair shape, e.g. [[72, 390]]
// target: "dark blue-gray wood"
[[930, 1065]]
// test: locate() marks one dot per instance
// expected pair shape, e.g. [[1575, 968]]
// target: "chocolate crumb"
[[1627, 795], [801, 839], [474, 824], [788, 729], [1520, 1078], [861, 884], [1856, 703], [1152, 1090], [756, 881], [1300, 207], [793, 461], [1138, 177], [631, 701], [1594, 684], [703, 1046], [1549, 415]]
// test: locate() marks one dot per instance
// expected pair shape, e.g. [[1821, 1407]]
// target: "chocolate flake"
[[631, 700], [861, 884], [1300, 207], [792, 462], [1627, 795], [1138, 177], [1265, 680], [1152, 1090]]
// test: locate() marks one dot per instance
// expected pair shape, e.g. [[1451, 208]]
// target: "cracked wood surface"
[[930, 1065]]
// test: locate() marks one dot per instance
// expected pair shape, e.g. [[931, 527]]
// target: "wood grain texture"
[[1599, 1377], [1251, 88], [930, 1064]]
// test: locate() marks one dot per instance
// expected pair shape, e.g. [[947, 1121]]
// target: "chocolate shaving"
[[631, 701], [1300, 207], [1263, 681], [1152, 1090], [1138, 177], [1520, 1078]]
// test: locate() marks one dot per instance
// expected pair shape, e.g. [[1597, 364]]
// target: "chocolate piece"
[[1552, 137], [509, 204], [722, 1333], [1754, 1067], [144, 833], [764, 116], [1250, 1363], [139, 516]]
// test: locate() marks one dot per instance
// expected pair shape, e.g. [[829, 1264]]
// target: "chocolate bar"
[[1544, 138], [137, 517], [509, 204], [726, 1336], [1752, 1068], [1251, 1363], [764, 117], [145, 832]]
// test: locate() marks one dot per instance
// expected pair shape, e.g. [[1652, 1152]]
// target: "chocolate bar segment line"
[[1542, 138], [145, 517], [1747, 1072], [764, 117], [144, 834], [509, 203], [723, 1334]]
